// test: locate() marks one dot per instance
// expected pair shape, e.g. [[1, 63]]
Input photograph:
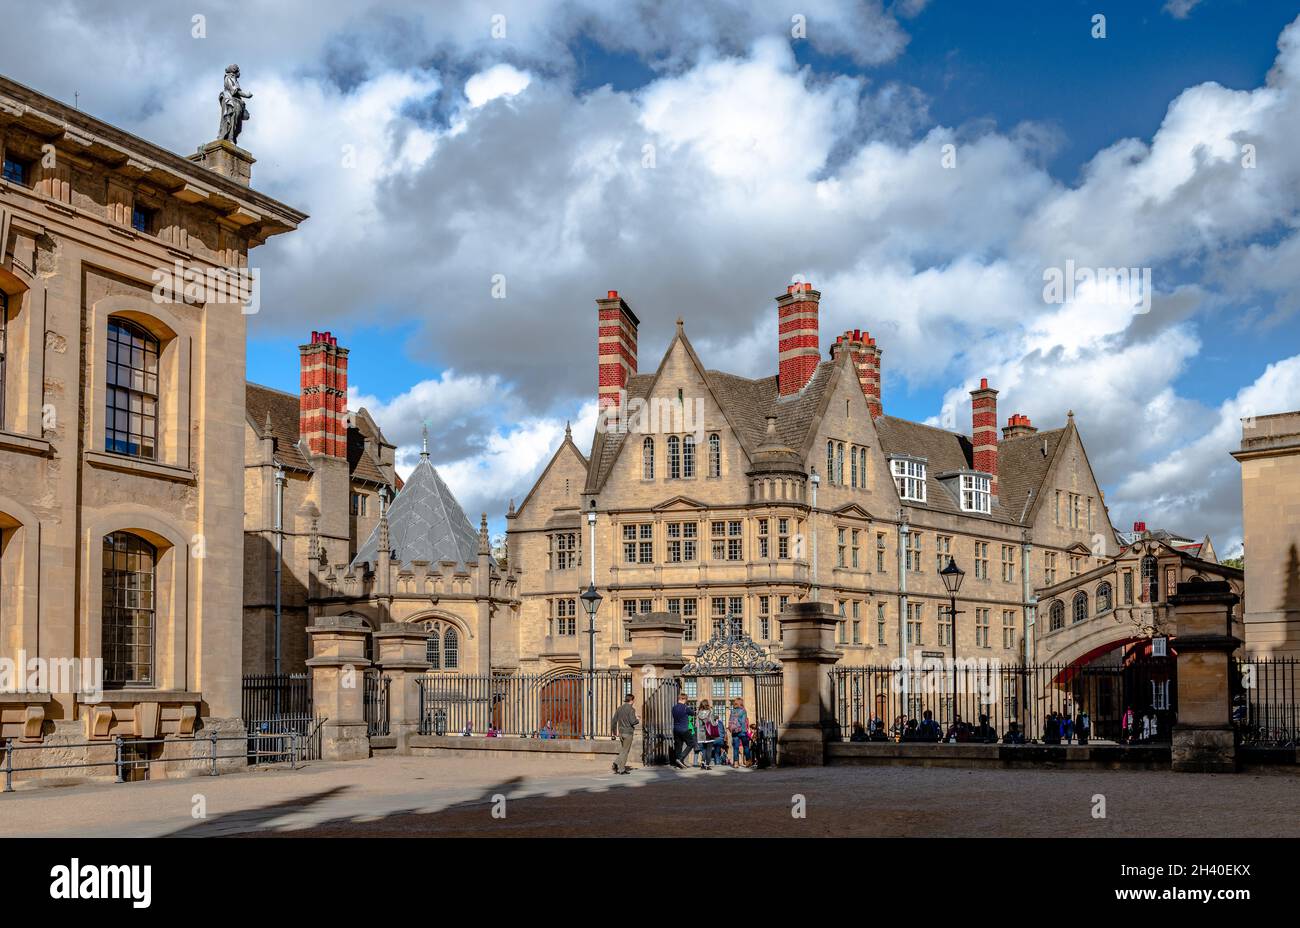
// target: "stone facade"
[[335, 467], [738, 530], [1270, 498], [120, 502], [1125, 601]]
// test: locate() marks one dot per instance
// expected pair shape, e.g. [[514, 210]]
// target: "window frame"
[[131, 543], [909, 478]]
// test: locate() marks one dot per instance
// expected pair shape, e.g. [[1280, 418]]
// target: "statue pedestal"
[[227, 159]]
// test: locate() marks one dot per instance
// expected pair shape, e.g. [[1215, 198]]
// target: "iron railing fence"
[[133, 758], [522, 705], [375, 702], [271, 695], [1135, 702], [1265, 707]]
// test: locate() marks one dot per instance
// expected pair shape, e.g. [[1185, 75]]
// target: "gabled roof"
[[425, 523], [280, 409], [745, 404]]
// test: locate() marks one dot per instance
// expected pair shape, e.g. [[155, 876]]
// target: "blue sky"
[[1002, 62], [436, 154]]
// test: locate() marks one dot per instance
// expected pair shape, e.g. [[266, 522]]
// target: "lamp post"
[[591, 602], [952, 576]]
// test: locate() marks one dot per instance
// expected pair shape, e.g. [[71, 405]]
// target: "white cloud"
[[498, 81], [420, 194]]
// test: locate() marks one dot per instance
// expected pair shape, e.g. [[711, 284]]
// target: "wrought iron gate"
[[375, 702], [657, 722], [728, 666]]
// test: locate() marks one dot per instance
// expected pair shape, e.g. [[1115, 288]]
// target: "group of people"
[[927, 730], [706, 731], [1058, 728]]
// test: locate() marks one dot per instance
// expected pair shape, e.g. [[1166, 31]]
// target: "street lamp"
[[952, 576], [591, 602]]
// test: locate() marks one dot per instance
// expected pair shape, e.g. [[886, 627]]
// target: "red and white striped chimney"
[[615, 349], [798, 343], [984, 430], [323, 400], [866, 363]]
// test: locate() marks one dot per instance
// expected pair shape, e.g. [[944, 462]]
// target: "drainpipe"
[[280, 482], [903, 530], [814, 593]]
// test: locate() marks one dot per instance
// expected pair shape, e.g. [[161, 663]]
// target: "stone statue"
[[233, 110]]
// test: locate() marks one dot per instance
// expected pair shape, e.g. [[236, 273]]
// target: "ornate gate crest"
[[727, 654]]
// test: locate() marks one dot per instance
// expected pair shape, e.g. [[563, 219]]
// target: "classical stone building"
[[1270, 497], [702, 487], [317, 472], [122, 342]]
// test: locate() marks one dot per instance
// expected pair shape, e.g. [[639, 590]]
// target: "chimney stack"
[[798, 344], [1016, 426], [323, 400], [615, 348], [866, 362], [984, 430], [1139, 528]]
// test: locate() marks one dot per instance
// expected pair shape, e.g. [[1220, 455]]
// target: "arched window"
[[715, 455], [648, 458], [131, 393], [674, 457], [1104, 595], [127, 614], [1150, 580], [830, 462], [839, 464], [688, 456], [1080, 606], [451, 649], [853, 467], [1056, 616], [433, 648]]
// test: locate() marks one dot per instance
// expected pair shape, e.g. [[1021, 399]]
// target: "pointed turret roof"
[[425, 523]]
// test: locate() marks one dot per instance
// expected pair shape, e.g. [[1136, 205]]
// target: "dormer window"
[[909, 477], [976, 495]]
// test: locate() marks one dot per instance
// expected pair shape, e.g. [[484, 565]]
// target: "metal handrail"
[[121, 763]]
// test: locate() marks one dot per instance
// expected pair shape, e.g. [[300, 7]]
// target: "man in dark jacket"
[[1014, 735], [683, 740], [623, 727], [930, 730], [984, 732]]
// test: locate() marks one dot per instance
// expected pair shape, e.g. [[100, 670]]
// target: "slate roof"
[[1023, 461], [1022, 464], [259, 401], [425, 523]]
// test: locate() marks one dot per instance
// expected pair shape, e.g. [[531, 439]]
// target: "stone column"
[[1203, 740], [402, 657], [807, 651], [338, 665], [656, 656]]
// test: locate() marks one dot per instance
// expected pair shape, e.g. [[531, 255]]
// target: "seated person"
[[1014, 735], [878, 732], [929, 730], [911, 732], [859, 733], [984, 733]]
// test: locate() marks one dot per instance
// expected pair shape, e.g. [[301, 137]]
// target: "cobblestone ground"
[[413, 796]]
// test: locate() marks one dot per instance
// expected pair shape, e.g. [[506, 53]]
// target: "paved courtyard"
[[452, 797]]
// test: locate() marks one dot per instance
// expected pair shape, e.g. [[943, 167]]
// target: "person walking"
[[682, 740], [706, 733], [623, 726]]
